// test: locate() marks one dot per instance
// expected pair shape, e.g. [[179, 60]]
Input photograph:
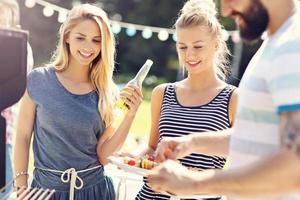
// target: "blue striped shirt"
[[270, 86]]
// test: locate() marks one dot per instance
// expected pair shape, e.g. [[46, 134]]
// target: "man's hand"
[[174, 148], [173, 178]]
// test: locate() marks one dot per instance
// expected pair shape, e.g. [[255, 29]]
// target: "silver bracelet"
[[23, 173]]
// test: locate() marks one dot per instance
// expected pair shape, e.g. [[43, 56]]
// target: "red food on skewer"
[[131, 162], [146, 162]]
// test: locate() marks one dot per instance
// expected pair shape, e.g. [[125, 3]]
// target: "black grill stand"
[[13, 64]]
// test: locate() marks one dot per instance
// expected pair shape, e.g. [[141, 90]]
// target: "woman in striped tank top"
[[200, 103]]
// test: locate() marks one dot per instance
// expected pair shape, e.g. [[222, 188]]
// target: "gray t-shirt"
[[66, 126]]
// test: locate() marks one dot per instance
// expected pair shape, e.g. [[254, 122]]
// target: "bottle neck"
[[135, 81]]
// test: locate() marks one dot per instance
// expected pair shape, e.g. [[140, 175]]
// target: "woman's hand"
[[133, 97]]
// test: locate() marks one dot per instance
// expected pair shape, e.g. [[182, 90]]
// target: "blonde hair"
[[9, 10], [102, 67], [203, 13]]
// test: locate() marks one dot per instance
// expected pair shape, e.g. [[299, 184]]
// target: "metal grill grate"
[[24, 193]]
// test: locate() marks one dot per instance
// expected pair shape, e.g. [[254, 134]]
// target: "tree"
[[131, 51]]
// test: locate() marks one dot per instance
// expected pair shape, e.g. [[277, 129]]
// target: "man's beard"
[[256, 20]]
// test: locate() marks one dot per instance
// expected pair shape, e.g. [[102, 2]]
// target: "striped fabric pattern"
[[177, 120], [270, 86]]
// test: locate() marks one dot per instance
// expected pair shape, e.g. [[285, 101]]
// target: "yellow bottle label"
[[121, 104]]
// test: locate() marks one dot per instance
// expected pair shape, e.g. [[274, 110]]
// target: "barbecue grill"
[[13, 64], [24, 193]]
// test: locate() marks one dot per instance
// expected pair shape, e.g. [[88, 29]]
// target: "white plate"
[[119, 161]]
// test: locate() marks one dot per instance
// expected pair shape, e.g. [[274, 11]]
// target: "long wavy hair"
[[204, 13], [102, 67]]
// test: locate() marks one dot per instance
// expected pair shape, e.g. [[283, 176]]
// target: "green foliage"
[[140, 129], [131, 51], [150, 82]]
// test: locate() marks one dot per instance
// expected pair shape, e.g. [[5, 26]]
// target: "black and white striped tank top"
[[177, 120]]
